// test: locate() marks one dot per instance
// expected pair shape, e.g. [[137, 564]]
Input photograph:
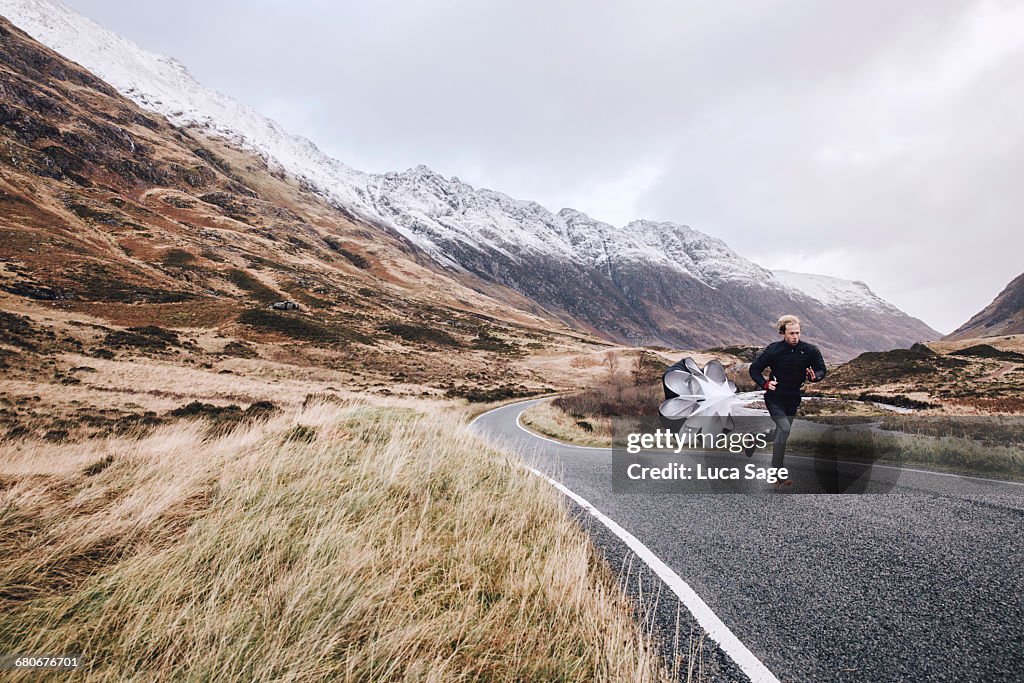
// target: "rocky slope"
[[645, 282], [1004, 316]]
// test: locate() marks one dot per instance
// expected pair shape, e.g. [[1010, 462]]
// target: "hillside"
[[971, 376], [129, 244], [1005, 315]]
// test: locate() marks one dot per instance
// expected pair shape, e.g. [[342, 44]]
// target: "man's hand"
[[810, 374], [770, 386]]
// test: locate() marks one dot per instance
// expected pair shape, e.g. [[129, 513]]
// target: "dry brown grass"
[[616, 383], [948, 453], [988, 430], [346, 541], [1009, 342], [546, 419], [616, 393], [573, 366], [835, 411], [619, 383], [982, 405]]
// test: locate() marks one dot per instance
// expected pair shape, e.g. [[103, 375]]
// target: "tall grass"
[[548, 420], [584, 417], [349, 542], [962, 455], [990, 430], [616, 392]]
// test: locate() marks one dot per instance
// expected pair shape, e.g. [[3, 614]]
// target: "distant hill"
[[1004, 316], [949, 375]]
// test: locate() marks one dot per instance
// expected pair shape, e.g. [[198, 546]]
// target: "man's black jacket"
[[789, 366]]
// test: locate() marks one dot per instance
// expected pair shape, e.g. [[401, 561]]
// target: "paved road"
[[905, 586]]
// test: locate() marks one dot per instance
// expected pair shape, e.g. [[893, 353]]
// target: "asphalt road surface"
[[924, 583]]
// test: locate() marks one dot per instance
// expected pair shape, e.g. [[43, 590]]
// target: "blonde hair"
[[786, 320]]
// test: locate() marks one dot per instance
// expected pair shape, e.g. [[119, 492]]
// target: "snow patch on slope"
[[833, 292]]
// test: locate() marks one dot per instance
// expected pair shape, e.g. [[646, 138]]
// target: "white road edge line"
[[715, 628]]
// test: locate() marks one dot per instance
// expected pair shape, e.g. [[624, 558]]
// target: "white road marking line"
[[715, 628]]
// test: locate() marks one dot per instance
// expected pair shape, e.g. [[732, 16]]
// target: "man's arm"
[[758, 366], [818, 365]]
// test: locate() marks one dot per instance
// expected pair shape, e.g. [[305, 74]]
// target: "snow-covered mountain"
[[557, 259], [435, 212]]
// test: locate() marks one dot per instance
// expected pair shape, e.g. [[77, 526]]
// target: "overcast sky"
[[873, 140]]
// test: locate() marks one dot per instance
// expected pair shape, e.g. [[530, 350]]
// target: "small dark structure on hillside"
[[285, 306]]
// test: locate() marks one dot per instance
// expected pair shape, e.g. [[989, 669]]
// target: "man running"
[[792, 362]]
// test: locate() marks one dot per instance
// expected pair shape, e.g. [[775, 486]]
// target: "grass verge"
[[350, 542], [945, 453], [547, 420]]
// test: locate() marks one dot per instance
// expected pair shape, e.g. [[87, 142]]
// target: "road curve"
[[892, 587]]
